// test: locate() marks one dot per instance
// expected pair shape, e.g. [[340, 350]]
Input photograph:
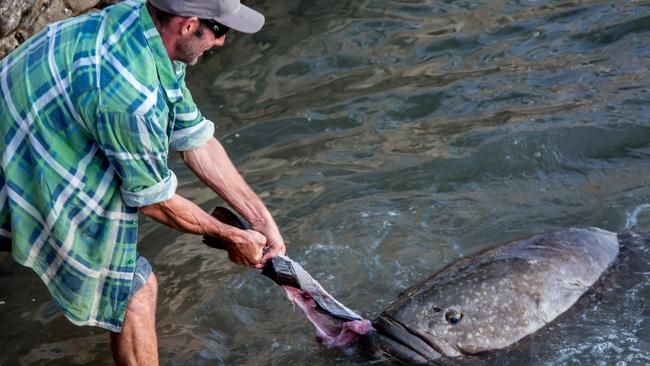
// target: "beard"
[[190, 50]]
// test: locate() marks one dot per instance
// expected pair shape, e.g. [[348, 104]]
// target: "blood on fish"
[[331, 331]]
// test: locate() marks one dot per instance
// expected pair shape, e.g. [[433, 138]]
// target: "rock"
[[11, 12], [20, 19], [7, 44], [50, 12], [79, 6]]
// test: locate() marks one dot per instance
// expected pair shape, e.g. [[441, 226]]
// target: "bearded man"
[[90, 108]]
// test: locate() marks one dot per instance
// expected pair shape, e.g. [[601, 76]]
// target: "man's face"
[[192, 46]]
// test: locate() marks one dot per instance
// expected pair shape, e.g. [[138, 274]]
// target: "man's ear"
[[189, 25]]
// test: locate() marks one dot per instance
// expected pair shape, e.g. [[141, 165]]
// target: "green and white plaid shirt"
[[89, 109]]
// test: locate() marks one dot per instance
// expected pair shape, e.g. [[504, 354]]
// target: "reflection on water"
[[390, 138]]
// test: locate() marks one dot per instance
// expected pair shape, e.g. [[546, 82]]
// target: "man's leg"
[[137, 344]]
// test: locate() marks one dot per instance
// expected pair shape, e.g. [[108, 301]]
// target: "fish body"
[[491, 300]]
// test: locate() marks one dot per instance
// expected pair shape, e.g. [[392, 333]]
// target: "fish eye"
[[453, 316]]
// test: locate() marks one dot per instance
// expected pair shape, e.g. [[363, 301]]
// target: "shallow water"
[[390, 138]]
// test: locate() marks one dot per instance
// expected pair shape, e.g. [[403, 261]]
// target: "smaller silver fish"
[[336, 325]]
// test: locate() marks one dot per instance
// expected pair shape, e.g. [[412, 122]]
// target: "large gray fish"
[[495, 298], [481, 303]]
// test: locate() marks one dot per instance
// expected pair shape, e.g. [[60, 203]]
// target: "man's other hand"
[[274, 242], [247, 248]]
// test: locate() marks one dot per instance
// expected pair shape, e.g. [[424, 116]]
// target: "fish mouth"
[[393, 340]]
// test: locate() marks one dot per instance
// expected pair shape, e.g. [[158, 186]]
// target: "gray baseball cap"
[[230, 13]]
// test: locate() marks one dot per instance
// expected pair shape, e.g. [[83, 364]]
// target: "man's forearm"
[[184, 215], [213, 166]]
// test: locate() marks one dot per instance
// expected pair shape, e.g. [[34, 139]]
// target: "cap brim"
[[244, 20]]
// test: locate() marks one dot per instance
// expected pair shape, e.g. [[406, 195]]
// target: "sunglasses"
[[218, 29]]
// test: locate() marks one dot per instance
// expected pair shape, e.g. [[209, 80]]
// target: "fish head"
[[435, 333], [462, 314]]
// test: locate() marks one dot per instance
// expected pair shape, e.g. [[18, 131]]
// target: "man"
[[90, 108]]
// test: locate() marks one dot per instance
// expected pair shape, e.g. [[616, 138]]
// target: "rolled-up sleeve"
[[136, 147], [191, 129], [192, 137]]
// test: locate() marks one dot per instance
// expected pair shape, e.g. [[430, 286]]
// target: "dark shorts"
[[141, 274]]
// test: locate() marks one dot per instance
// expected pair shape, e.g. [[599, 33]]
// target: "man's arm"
[[213, 166], [244, 246]]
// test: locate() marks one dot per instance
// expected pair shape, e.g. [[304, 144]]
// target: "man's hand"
[[246, 248], [274, 242]]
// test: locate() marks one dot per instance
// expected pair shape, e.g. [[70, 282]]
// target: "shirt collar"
[[166, 73]]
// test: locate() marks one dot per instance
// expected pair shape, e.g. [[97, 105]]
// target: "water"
[[390, 138]]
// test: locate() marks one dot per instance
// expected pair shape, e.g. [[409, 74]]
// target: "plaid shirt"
[[89, 109]]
